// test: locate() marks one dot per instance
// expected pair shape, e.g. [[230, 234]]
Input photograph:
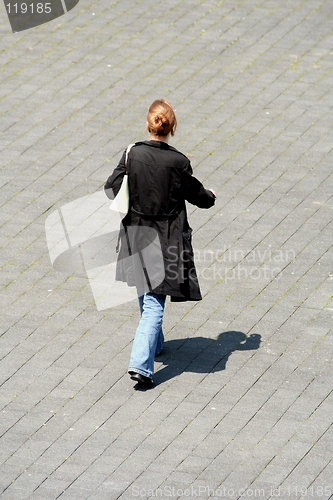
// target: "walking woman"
[[160, 180]]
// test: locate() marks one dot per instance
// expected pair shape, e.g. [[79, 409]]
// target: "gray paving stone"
[[250, 83]]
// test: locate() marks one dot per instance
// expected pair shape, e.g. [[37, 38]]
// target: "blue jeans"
[[148, 340]]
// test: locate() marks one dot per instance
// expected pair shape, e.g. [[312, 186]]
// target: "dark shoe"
[[141, 379]]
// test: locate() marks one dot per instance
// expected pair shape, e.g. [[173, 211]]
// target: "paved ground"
[[242, 404]]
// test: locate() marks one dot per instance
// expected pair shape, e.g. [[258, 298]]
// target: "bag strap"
[[127, 152]]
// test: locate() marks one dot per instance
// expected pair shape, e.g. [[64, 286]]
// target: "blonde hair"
[[161, 118]]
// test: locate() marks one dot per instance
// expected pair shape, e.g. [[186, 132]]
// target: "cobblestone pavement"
[[242, 402]]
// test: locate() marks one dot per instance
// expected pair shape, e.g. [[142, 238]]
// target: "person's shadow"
[[202, 355]]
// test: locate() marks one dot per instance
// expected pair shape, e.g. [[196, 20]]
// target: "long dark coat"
[[160, 180]]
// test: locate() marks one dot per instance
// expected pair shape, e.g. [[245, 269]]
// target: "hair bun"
[[161, 121], [161, 118]]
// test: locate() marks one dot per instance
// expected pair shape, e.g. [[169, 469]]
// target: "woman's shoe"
[[141, 379]]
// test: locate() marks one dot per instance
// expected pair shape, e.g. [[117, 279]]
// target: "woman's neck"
[[160, 138]]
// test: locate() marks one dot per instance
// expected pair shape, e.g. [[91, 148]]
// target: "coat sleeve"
[[193, 190], [113, 183]]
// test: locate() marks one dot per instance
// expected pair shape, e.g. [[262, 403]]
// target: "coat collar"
[[159, 145]]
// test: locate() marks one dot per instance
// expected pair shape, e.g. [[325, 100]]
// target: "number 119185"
[[24, 8]]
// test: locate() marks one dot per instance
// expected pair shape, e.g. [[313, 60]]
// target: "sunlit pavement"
[[242, 402]]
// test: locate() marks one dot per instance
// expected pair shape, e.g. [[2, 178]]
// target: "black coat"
[[160, 180]]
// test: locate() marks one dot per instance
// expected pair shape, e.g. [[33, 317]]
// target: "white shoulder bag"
[[121, 201]]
